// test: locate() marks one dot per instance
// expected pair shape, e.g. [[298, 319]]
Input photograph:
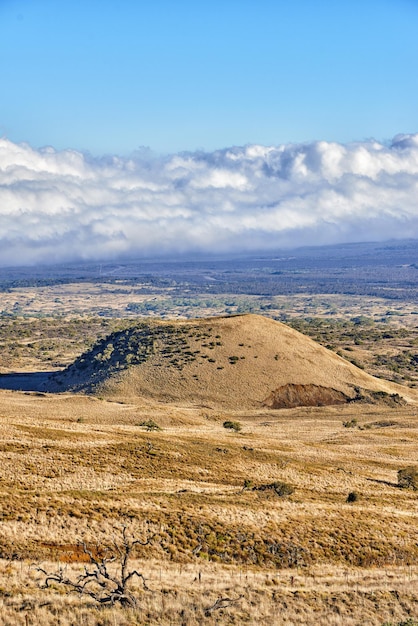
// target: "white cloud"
[[59, 206]]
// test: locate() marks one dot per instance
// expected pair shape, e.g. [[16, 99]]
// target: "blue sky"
[[109, 77], [268, 124]]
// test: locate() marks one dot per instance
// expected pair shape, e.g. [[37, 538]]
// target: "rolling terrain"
[[75, 468], [247, 493], [250, 488]]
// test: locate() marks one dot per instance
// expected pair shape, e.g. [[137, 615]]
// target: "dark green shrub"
[[233, 425], [280, 488], [352, 496], [150, 425], [408, 478], [351, 424]]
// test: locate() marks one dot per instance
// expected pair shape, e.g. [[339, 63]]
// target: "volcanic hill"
[[235, 362]]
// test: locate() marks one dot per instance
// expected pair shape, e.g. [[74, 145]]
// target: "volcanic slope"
[[236, 362]]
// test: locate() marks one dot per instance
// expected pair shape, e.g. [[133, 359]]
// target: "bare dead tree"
[[221, 603], [106, 585]]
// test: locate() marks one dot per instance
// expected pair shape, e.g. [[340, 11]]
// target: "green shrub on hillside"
[[280, 488], [352, 496], [232, 425], [350, 424], [150, 425], [408, 478]]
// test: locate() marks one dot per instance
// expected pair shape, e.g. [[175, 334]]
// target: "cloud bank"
[[65, 206]]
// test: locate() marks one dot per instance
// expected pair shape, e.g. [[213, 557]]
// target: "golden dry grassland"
[[76, 468]]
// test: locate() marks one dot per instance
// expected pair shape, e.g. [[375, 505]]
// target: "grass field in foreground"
[[77, 468]]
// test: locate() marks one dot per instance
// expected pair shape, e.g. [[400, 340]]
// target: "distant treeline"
[[22, 283], [390, 287]]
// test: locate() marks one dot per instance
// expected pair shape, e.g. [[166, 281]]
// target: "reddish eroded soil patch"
[[71, 552], [293, 395]]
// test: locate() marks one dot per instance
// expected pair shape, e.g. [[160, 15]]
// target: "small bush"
[[150, 425], [280, 488], [408, 478], [352, 496], [351, 424], [233, 425]]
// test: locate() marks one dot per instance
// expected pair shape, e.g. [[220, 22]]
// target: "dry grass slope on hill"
[[236, 362]]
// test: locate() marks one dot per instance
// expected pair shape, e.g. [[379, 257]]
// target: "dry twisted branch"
[[98, 581], [221, 603]]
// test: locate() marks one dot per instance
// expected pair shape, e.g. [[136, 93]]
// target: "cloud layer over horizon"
[[68, 206]]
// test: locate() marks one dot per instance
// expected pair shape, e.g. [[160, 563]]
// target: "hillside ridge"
[[238, 361]]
